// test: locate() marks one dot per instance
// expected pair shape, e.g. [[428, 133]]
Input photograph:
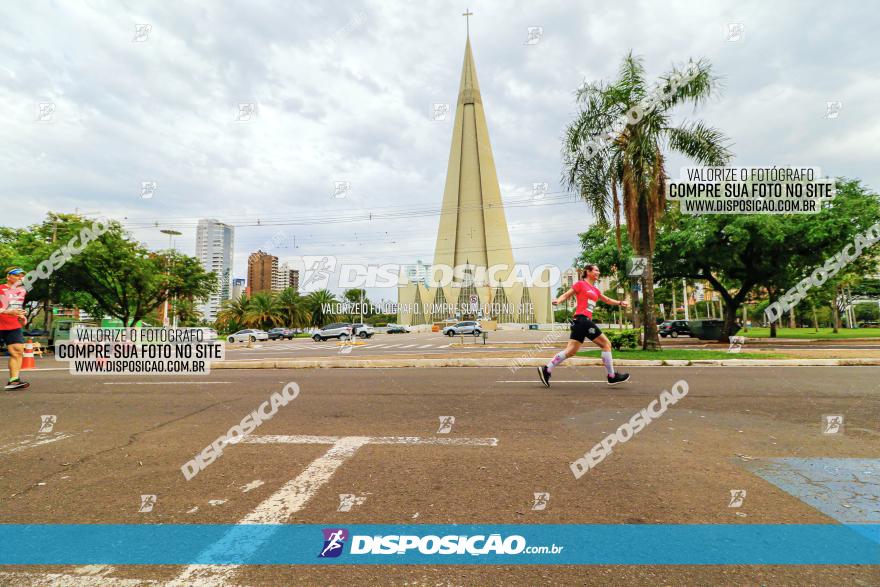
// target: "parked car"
[[209, 333], [251, 335], [397, 329], [279, 333], [675, 327], [339, 330], [363, 330], [466, 327]]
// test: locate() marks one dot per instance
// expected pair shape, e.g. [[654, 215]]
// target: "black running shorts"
[[13, 336], [582, 327]]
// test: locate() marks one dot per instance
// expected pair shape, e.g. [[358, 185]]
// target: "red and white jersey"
[[587, 295], [11, 297]]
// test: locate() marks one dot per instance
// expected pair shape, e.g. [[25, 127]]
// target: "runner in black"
[[582, 326], [12, 318]]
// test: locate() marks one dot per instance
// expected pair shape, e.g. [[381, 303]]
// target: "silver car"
[[251, 335], [340, 330], [466, 327]]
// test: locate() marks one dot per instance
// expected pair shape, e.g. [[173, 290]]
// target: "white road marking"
[[32, 441], [216, 502], [288, 500], [408, 346], [426, 346], [252, 485], [164, 382], [552, 381], [83, 576], [294, 496], [62, 580], [306, 439]]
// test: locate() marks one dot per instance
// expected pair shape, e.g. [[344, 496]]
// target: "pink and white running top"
[[587, 295]]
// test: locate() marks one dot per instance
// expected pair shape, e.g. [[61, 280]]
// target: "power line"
[[353, 217]]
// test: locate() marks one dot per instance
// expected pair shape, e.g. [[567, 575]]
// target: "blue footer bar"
[[567, 544]]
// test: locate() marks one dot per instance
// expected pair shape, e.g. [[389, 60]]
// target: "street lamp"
[[171, 234]]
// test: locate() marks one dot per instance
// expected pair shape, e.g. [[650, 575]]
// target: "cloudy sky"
[[343, 91]]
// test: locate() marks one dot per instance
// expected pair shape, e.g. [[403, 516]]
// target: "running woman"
[[582, 326], [12, 318]]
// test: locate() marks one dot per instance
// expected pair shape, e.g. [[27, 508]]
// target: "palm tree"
[[186, 312], [632, 162], [293, 308], [263, 311], [233, 312], [319, 304]]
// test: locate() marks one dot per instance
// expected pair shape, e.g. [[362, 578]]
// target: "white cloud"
[[344, 93]]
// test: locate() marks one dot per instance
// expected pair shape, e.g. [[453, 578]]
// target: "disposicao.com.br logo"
[[476, 545]]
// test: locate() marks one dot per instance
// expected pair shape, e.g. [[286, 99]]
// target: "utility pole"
[[47, 303], [171, 234], [684, 288], [672, 289]]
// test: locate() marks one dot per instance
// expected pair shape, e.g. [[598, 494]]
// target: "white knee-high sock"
[[609, 364], [557, 358]]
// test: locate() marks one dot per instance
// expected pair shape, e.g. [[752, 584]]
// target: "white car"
[[466, 327], [251, 335]]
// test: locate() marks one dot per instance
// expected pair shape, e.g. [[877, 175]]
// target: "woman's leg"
[[605, 345], [570, 350]]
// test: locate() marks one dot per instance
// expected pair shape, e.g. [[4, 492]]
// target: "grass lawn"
[[810, 333], [681, 354]]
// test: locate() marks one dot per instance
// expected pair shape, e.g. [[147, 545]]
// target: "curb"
[[516, 363]]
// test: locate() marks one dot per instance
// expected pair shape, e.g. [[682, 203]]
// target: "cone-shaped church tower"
[[472, 231]]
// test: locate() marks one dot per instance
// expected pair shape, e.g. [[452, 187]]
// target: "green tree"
[[633, 160], [186, 312], [293, 308], [263, 311], [738, 254], [127, 281], [319, 304], [231, 316]]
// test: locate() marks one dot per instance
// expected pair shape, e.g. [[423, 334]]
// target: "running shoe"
[[544, 374], [17, 384], [617, 378]]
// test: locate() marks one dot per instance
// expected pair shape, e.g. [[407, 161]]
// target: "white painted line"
[[391, 346], [305, 439], [62, 580], [288, 500], [294, 496], [552, 381], [426, 346], [32, 441], [408, 346], [164, 382], [252, 485], [446, 346], [284, 439]]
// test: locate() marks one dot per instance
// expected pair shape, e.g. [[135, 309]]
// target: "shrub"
[[623, 339]]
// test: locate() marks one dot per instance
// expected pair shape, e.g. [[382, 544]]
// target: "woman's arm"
[[564, 297], [611, 302]]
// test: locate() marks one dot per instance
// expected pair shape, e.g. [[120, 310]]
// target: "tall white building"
[[214, 249]]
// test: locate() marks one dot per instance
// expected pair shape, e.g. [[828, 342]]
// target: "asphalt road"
[[433, 343], [115, 439]]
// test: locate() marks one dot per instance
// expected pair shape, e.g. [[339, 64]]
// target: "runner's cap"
[[14, 271]]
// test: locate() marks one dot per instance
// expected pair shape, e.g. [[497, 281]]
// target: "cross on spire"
[[467, 14]]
